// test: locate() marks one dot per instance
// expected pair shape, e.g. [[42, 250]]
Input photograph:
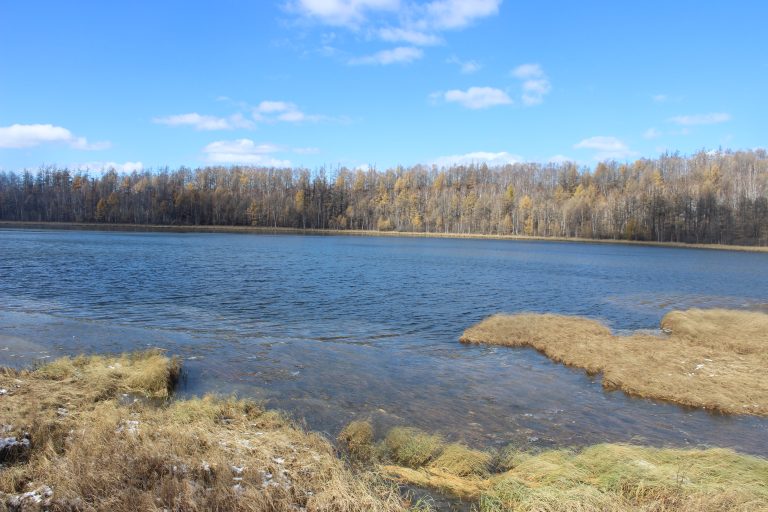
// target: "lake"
[[334, 328]]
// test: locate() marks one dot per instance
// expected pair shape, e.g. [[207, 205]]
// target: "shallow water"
[[333, 328]]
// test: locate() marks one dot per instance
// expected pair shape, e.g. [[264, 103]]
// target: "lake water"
[[333, 328]]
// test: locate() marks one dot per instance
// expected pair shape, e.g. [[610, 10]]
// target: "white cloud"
[[467, 67], [350, 13], [410, 36], [205, 123], [19, 136], [535, 83], [268, 107], [652, 133], [659, 98], [478, 97], [408, 21], [105, 166], [272, 111], [243, 151], [478, 157], [527, 71], [401, 54], [701, 119], [607, 147], [454, 14]]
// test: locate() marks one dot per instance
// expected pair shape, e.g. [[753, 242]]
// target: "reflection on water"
[[335, 328]]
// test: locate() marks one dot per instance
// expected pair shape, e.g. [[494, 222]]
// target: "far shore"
[[160, 228]]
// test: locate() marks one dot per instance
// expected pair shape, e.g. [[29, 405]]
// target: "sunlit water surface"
[[336, 328]]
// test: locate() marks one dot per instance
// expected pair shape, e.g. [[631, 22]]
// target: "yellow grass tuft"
[[457, 459], [412, 447], [357, 439], [714, 359]]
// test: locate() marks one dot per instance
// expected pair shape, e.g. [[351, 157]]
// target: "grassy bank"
[[354, 232], [96, 433], [715, 359], [605, 477]]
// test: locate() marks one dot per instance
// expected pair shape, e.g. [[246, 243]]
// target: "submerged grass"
[[713, 359], [92, 449]]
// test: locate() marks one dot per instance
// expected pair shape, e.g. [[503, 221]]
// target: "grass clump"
[[92, 450], [713, 359], [357, 439], [412, 447], [461, 460], [625, 477]]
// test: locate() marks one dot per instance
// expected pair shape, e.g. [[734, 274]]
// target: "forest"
[[718, 197]]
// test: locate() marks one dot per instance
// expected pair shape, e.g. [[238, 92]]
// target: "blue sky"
[[377, 83]]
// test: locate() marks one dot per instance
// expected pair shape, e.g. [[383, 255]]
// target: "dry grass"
[[412, 447], [625, 478], [97, 452], [714, 359], [605, 477], [357, 439], [457, 459]]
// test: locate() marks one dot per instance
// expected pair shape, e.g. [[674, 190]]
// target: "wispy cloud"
[[410, 36], [478, 157], [243, 151], [651, 133], [106, 166], [271, 111], [478, 97], [20, 136], [701, 119], [535, 83], [409, 22], [467, 67], [660, 98], [455, 14], [399, 55], [343, 13], [204, 122], [607, 147]]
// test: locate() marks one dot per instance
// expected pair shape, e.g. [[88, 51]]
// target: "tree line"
[[709, 197]]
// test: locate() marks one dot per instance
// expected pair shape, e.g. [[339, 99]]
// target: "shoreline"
[[82, 433], [166, 228]]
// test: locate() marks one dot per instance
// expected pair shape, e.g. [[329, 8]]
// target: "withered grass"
[[713, 359], [99, 450]]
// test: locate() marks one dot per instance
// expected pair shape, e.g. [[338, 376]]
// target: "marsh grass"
[[412, 447], [97, 452], [605, 477], [460, 460], [357, 439], [713, 359]]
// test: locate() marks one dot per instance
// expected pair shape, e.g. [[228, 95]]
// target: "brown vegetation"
[[102, 436], [714, 359], [93, 448]]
